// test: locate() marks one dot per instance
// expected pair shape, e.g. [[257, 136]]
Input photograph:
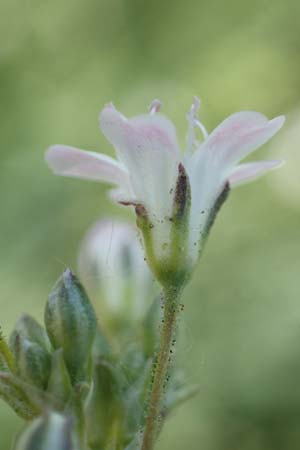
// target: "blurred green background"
[[60, 61]]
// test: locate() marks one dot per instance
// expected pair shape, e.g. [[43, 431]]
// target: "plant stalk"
[[171, 298]]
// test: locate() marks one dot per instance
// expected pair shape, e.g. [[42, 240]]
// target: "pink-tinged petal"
[[147, 132], [72, 162], [239, 135], [147, 146], [245, 173]]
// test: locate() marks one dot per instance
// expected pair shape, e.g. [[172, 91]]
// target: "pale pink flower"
[[149, 161]]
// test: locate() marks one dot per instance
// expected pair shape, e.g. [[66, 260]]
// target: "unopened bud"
[[111, 263], [31, 348], [52, 431], [32, 361], [71, 324], [30, 329]]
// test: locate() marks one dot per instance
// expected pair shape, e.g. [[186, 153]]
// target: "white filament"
[[194, 122]]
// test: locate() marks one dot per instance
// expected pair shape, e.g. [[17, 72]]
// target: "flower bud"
[[71, 324], [49, 432], [31, 348], [32, 361], [30, 329], [111, 263]]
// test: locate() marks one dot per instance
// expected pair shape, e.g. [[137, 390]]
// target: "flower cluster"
[[69, 381], [82, 382]]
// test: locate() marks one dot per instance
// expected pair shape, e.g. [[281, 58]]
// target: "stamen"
[[155, 106], [195, 105], [202, 128], [194, 122]]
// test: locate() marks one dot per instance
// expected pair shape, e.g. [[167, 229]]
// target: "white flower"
[[112, 267], [153, 174]]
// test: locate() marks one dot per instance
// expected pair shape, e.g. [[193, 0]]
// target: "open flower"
[[112, 267], [176, 195]]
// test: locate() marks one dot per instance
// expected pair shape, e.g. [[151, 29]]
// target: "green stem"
[[171, 298]]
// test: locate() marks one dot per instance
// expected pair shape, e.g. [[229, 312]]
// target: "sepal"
[[214, 211], [26, 400], [16, 398], [104, 405], [59, 384], [182, 201]]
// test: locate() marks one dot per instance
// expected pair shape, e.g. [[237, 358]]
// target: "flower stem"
[[171, 298]]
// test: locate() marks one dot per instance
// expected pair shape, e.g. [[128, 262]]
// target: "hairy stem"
[[171, 298]]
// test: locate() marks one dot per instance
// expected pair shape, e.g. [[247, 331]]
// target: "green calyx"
[[174, 268]]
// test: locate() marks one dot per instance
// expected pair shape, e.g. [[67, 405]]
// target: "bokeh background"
[[60, 61]]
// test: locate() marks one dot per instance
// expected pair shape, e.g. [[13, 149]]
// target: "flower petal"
[[239, 135], [245, 173], [147, 132], [147, 145], [72, 162]]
